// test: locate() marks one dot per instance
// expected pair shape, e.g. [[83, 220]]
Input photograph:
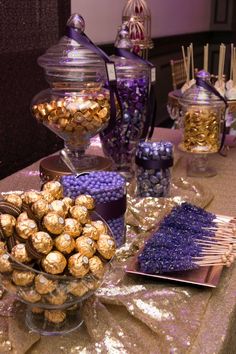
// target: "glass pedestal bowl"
[[53, 301]]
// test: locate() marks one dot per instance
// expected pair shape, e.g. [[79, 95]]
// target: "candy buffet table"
[[136, 315]]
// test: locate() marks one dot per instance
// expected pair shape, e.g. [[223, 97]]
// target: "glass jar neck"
[[75, 86]]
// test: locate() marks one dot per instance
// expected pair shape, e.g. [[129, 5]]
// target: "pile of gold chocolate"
[[52, 249], [201, 130], [79, 116]]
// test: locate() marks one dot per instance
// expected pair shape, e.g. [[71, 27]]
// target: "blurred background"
[[29, 27]]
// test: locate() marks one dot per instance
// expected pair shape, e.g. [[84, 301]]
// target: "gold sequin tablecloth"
[[137, 315]]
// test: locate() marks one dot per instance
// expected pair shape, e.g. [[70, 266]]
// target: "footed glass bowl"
[[53, 301]]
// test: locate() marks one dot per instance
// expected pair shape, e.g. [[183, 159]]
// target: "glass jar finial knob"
[[76, 21]]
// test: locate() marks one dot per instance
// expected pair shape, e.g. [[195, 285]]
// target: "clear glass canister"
[[202, 119], [133, 88], [76, 106]]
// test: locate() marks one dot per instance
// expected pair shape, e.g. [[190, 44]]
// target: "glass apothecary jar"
[[76, 106], [202, 124], [133, 88]]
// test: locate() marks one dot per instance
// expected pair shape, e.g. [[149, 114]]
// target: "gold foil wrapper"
[[55, 316], [54, 188], [78, 265], [57, 206], [5, 264], [96, 266], [58, 297], [40, 242], [26, 228], [14, 199], [65, 243], [85, 246], [80, 213], [20, 253], [22, 278], [72, 227], [106, 246], [44, 285], [54, 263], [30, 197], [54, 223], [7, 223], [29, 295], [85, 200], [40, 208]]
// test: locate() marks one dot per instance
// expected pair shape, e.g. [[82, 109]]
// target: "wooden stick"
[[188, 65], [185, 62], [206, 50], [231, 61], [192, 60]]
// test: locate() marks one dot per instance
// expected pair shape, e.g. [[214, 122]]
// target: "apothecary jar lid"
[[70, 61], [198, 95]]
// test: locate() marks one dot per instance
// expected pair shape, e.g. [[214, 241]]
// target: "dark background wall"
[[29, 27]]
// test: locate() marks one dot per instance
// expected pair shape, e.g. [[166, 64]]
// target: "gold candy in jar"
[[40, 208], [22, 278], [20, 253], [78, 265], [96, 266], [85, 246], [5, 264], [85, 200], [57, 297], [55, 316], [44, 285], [58, 207], [77, 288], [26, 228], [23, 216], [68, 202], [54, 223], [54, 263], [39, 244], [54, 188], [72, 227], [65, 243], [7, 223], [29, 295], [80, 213], [3, 247], [91, 231], [30, 197], [47, 196], [13, 199], [106, 246], [100, 226]]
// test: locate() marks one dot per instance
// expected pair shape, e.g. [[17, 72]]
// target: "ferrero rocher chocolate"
[[40, 208], [3, 248], [5, 264], [201, 130], [65, 243], [100, 226], [30, 197], [20, 254], [55, 316], [58, 207], [78, 288], [23, 216], [57, 297], [55, 188], [30, 295], [80, 213], [22, 278], [13, 199], [68, 202], [54, 263], [78, 265], [72, 227], [91, 231], [47, 196], [7, 223], [85, 246], [106, 246], [85, 200], [96, 266], [26, 228], [44, 285], [37, 310], [39, 244], [54, 223]]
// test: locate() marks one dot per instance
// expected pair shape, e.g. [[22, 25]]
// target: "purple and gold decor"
[[109, 192], [77, 106], [153, 174]]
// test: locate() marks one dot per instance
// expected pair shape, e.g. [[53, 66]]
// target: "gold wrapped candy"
[[72, 227], [54, 188], [68, 202], [78, 288], [91, 231], [100, 226], [44, 285], [47, 196], [58, 297], [39, 244], [96, 266], [54, 223], [3, 247], [5, 264], [106, 246], [58, 207], [40, 208], [22, 278], [85, 246], [78, 265], [29, 295], [80, 213], [7, 223], [20, 254], [85, 200], [26, 228], [201, 130], [13, 199], [23, 216], [55, 316], [54, 263], [30, 197], [65, 243]]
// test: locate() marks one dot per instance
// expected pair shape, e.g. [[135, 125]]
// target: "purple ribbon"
[[81, 38], [149, 123], [210, 88], [154, 164], [113, 209]]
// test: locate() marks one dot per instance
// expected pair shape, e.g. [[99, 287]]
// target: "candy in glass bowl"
[[54, 253]]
